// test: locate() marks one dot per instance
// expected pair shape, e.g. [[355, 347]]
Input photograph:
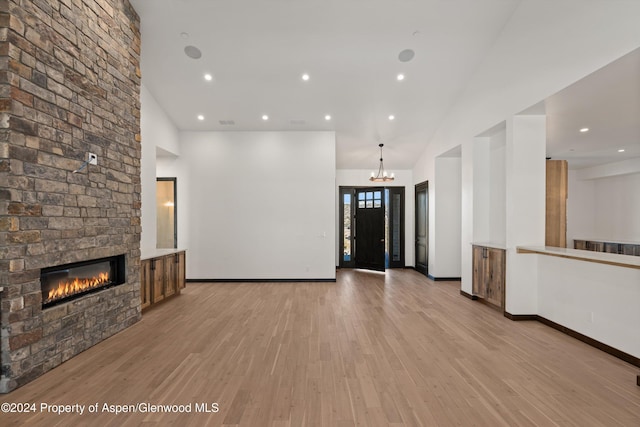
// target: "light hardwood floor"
[[369, 350]]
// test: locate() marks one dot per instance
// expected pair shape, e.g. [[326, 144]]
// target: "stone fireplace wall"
[[69, 85]]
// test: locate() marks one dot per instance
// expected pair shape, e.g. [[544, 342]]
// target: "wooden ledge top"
[[495, 245], [155, 253], [628, 261]]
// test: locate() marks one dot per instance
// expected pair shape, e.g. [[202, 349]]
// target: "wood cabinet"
[[170, 282], [157, 272], [489, 274], [162, 277], [146, 282], [181, 270]]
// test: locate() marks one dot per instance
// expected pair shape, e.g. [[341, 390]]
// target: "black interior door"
[[370, 229], [422, 227]]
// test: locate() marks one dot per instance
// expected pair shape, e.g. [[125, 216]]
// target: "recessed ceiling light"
[[305, 77], [400, 77], [392, 117], [208, 77], [265, 117], [327, 117], [583, 130], [200, 117], [621, 150]]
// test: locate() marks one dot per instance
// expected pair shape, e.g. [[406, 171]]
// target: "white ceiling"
[[257, 52], [607, 102]]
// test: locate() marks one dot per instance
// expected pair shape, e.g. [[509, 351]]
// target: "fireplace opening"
[[70, 281]]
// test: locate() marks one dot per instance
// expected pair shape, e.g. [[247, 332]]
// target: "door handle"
[[382, 240]]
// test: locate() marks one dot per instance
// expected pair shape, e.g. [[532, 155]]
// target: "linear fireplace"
[[70, 281]]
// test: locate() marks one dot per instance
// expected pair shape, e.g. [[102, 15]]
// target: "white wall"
[[446, 259], [157, 132], [545, 47], [618, 207], [581, 213], [525, 203], [498, 190], [603, 208], [257, 205], [360, 178], [597, 300]]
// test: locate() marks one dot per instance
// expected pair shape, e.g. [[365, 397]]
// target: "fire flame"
[[66, 289]]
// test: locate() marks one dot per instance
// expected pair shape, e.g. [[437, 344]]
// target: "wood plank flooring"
[[370, 350]]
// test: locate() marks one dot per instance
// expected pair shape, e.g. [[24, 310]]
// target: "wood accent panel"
[[372, 350], [556, 203]]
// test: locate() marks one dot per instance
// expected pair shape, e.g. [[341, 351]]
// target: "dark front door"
[[370, 230], [422, 228]]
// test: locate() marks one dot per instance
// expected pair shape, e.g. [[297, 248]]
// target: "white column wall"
[[481, 189], [157, 131], [497, 198], [525, 204], [467, 216], [447, 256]]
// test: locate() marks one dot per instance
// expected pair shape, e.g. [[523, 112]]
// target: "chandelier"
[[382, 174]]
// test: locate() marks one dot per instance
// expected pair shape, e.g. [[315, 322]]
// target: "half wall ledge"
[[628, 261]]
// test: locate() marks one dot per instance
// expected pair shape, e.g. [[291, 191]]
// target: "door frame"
[[175, 206], [342, 190], [423, 186], [370, 228], [401, 262]]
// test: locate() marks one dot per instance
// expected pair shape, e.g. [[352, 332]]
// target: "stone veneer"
[[69, 85]]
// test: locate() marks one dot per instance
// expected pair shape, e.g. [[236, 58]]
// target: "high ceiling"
[[257, 52], [607, 102]]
